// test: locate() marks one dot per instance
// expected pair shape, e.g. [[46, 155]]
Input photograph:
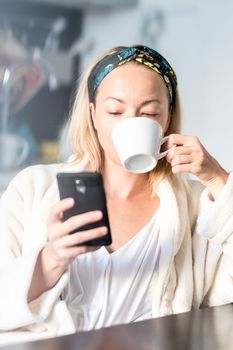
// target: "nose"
[[130, 115]]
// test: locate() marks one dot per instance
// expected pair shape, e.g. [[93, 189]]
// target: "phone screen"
[[88, 192]]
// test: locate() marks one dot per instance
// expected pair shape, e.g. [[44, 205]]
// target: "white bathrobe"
[[195, 265]]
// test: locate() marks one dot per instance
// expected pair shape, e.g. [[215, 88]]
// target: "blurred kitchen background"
[[45, 46]]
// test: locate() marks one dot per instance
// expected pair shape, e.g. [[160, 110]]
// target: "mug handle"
[[24, 153], [163, 154]]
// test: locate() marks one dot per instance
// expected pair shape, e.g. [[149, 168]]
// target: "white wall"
[[197, 40]]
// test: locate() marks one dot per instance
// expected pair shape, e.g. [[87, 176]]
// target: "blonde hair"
[[83, 137]]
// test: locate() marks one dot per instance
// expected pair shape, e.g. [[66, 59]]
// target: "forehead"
[[135, 78]]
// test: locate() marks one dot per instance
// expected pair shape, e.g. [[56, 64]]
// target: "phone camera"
[[80, 186]]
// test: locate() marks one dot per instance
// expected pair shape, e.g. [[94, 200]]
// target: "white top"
[[107, 289], [194, 265]]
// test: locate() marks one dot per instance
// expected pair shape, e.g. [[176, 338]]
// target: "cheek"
[[103, 124], [165, 122], [165, 125], [104, 134], [104, 131]]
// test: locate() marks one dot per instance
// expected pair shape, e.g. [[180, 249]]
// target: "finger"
[[179, 150], [182, 159], [79, 238], [70, 254], [75, 222], [56, 212], [180, 140], [191, 168]]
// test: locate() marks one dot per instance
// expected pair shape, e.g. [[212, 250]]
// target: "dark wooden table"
[[209, 328]]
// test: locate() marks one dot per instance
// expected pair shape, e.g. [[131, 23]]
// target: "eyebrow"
[[114, 98], [152, 100]]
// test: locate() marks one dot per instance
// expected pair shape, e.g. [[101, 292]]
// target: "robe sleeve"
[[17, 263]]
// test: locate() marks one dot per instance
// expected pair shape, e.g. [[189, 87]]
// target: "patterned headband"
[[142, 54]]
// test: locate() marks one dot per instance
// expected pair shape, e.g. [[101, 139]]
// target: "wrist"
[[46, 273], [51, 268], [216, 184]]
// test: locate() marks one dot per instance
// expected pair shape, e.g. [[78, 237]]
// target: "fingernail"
[[98, 214], [71, 200], [104, 230]]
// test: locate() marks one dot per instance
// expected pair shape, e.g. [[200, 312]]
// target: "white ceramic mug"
[[138, 141], [14, 150]]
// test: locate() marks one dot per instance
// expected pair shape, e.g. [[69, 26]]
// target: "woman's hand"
[[65, 246], [190, 156], [62, 248]]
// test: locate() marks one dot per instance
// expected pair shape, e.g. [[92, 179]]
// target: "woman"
[[171, 238]]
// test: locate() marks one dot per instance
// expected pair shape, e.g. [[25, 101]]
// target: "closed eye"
[[114, 113], [150, 114]]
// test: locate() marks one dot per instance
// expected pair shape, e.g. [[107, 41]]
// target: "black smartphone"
[[88, 192]]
